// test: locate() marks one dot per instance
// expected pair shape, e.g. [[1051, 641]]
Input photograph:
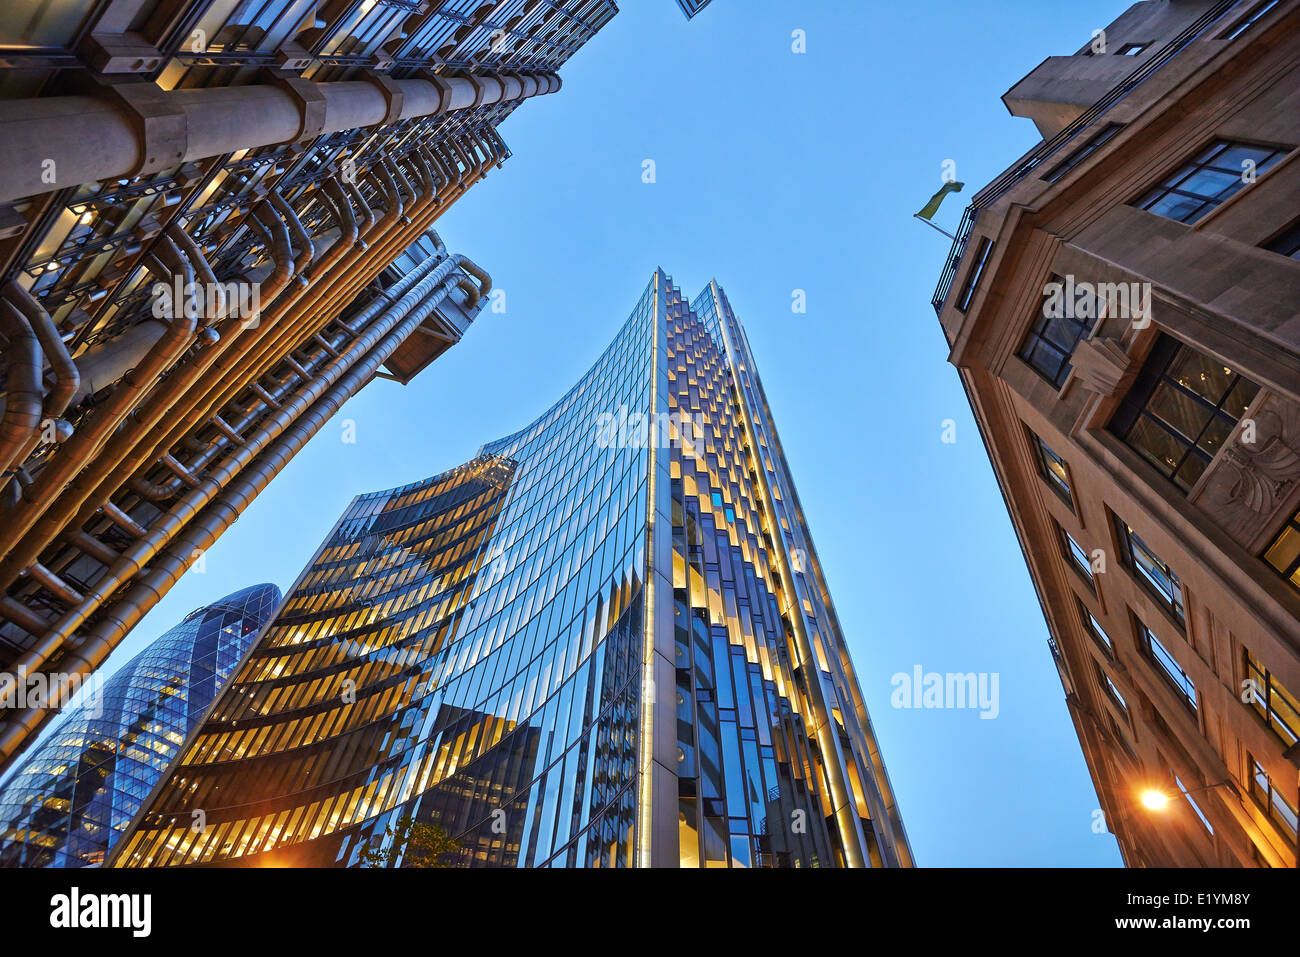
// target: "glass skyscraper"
[[605, 641], [72, 798]]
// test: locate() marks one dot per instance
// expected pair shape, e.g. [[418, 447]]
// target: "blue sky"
[[776, 171]]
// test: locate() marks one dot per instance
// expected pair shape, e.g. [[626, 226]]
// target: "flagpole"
[[928, 223]]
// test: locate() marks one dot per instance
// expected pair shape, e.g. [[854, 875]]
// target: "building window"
[[1277, 706], [1076, 556], [1246, 22], [1287, 243], [1181, 410], [973, 277], [1280, 810], [1284, 553], [1052, 468], [1093, 627], [1197, 187], [1050, 340], [1168, 665], [1112, 692], [1195, 807], [1132, 49], [1151, 571], [1083, 152]]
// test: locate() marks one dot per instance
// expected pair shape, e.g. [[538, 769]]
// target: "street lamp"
[[1154, 799]]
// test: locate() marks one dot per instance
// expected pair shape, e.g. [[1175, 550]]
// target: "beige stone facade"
[[1153, 429]]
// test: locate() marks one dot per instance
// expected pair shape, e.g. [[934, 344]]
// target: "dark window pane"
[[1207, 183], [1181, 410], [1216, 433], [1216, 173], [1156, 444], [1190, 472], [1201, 374]]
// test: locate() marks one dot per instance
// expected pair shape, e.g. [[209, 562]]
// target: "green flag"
[[932, 207]]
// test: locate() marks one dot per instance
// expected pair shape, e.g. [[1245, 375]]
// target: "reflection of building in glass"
[[1154, 421], [68, 803], [578, 649]]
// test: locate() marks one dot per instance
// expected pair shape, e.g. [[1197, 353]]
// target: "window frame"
[[1196, 808], [1109, 689], [1201, 161], [971, 284], [1270, 798], [1041, 451], [1262, 705], [1094, 629], [1291, 573], [1248, 20], [1081, 153], [1081, 565], [1036, 333], [1286, 242], [1136, 406], [1156, 652], [1173, 604]]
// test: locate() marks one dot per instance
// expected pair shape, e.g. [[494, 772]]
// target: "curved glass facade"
[[588, 646], [72, 799]]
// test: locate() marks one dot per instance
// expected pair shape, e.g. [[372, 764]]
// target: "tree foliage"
[[409, 843]]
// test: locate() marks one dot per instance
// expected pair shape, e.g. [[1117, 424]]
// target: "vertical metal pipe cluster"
[[157, 464]]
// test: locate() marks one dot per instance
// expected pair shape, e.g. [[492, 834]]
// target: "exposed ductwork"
[[206, 420], [57, 128], [24, 394], [66, 377], [216, 500]]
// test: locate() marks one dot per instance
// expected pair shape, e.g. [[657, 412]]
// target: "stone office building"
[[1121, 305]]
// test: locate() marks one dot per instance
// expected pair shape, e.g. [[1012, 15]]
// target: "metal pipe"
[[104, 363], [176, 389], [19, 614], [344, 217], [396, 169], [93, 547], [301, 240], [392, 195], [351, 187], [222, 426], [92, 138], [176, 264], [66, 382], [155, 491], [200, 262], [405, 315], [278, 240], [165, 567], [440, 164], [477, 271], [296, 366], [170, 488], [53, 583], [14, 734], [24, 393], [427, 182], [122, 520], [73, 454], [66, 377], [276, 235]]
